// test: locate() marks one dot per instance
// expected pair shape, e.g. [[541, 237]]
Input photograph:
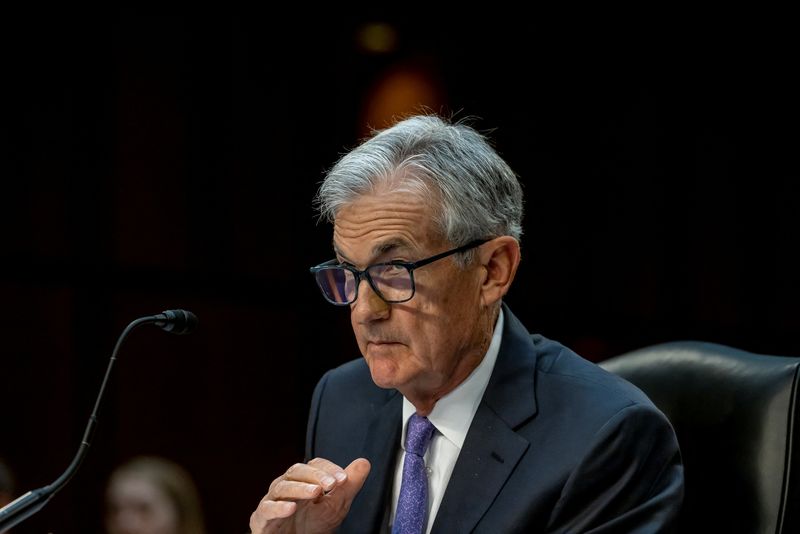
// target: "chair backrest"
[[736, 417]]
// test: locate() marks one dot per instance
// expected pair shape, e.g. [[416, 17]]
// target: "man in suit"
[[456, 419]]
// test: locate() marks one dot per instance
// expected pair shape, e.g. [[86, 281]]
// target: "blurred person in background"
[[6, 485], [152, 495]]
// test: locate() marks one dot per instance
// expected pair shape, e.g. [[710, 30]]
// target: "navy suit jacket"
[[557, 445]]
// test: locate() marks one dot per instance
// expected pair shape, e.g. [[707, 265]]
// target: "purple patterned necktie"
[[412, 506]]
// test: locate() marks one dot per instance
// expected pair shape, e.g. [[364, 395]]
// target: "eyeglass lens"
[[392, 282]]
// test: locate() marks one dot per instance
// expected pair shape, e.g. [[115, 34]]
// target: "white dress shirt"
[[452, 415]]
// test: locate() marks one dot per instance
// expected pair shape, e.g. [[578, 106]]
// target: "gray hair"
[[479, 195]]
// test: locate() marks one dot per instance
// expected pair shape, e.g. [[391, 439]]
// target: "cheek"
[[428, 338], [454, 319], [447, 306], [450, 289]]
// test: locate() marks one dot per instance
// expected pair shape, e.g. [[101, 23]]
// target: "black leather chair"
[[736, 416]]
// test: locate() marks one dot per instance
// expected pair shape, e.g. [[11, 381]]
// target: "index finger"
[[332, 469], [318, 471]]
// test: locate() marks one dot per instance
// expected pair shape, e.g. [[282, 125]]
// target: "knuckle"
[[262, 507], [255, 522], [319, 462], [294, 468]]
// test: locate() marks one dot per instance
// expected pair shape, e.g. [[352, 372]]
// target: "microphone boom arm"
[[176, 321]]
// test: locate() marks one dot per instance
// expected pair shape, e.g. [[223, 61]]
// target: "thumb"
[[357, 473]]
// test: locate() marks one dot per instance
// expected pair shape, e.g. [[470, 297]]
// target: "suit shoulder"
[[559, 363]]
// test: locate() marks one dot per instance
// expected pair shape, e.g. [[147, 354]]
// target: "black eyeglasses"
[[392, 281]]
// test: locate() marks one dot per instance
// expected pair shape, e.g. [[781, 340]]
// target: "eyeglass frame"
[[410, 266]]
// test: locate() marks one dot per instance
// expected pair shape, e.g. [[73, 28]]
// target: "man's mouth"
[[382, 343]]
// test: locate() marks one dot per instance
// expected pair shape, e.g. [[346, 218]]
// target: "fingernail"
[[340, 476], [328, 481]]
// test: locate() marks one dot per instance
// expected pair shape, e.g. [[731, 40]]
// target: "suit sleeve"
[[630, 480], [313, 417]]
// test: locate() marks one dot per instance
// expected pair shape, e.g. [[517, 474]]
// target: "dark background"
[[155, 162]]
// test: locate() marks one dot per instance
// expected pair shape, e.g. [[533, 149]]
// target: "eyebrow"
[[378, 250]]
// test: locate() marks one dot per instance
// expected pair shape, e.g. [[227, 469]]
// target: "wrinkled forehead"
[[385, 222]]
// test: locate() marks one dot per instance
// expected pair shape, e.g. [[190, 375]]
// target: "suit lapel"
[[492, 447], [368, 511]]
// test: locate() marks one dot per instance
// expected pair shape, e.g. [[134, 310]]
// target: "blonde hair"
[[177, 485]]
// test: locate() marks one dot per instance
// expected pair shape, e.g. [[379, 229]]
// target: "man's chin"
[[384, 371]]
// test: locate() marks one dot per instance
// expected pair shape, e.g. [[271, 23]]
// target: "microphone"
[[174, 321], [177, 321]]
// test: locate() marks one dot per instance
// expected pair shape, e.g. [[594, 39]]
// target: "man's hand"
[[309, 498]]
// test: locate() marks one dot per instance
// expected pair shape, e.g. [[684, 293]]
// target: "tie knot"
[[418, 434]]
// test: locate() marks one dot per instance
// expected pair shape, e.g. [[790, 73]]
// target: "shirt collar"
[[452, 415]]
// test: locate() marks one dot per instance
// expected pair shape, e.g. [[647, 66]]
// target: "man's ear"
[[500, 259]]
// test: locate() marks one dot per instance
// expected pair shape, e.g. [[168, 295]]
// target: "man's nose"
[[369, 306]]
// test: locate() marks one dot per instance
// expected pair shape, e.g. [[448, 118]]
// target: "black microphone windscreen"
[[177, 321]]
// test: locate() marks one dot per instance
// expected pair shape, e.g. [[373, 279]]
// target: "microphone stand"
[[31, 502]]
